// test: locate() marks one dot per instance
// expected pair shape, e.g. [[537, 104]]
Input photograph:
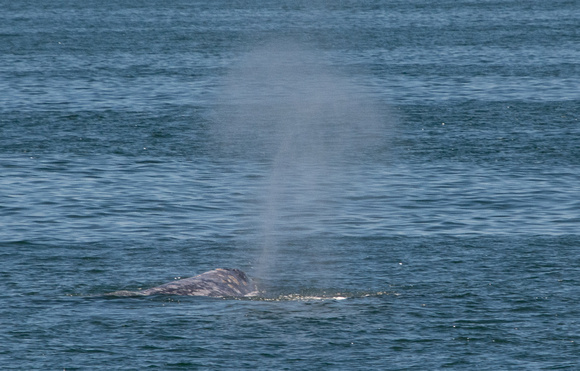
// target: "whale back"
[[221, 282]]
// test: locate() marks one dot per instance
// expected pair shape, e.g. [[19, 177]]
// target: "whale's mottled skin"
[[221, 282]]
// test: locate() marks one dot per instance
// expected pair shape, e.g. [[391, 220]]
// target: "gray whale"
[[221, 282]]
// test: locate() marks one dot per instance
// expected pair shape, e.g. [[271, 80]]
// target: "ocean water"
[[401, 178]]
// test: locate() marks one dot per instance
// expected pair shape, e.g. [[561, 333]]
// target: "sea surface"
[[401, 178]]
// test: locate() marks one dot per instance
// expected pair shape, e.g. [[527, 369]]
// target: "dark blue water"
[[402, 178]]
